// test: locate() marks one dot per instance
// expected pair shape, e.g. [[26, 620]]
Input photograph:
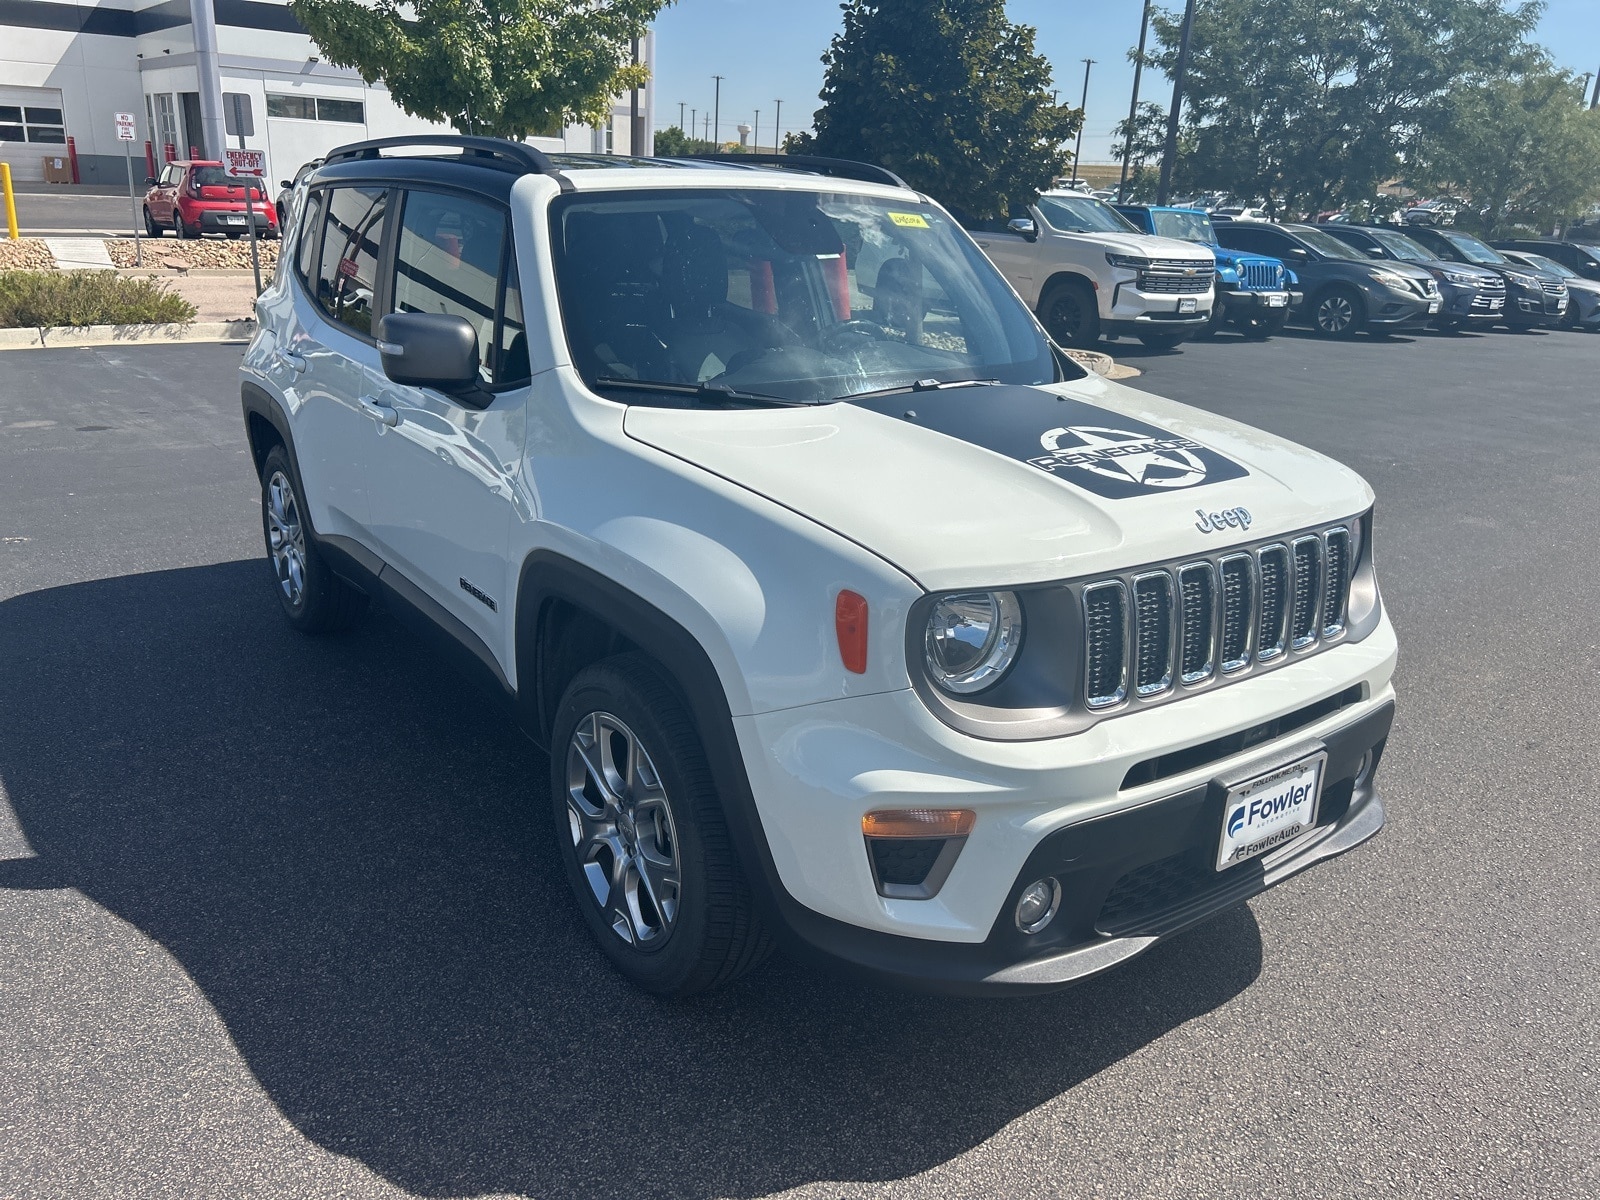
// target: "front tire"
[[1338, 313], [640, 824], [151, 229], [1258, 327], [313, 598], [1067, 311]]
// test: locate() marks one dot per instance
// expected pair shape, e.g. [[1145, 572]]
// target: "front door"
[[440, 486]]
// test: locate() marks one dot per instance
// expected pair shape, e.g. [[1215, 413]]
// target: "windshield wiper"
[[710, 393], [922, 385]]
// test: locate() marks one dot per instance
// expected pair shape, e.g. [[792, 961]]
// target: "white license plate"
[[1187, 305], [1277, 300], [1496, 305], [1433, 306], [232, 220], [1270, 810]]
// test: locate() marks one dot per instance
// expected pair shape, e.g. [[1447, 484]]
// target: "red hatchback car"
[[195, 197]]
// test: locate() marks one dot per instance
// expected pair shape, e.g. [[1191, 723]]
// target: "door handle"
[[295, 362], [379, 411]]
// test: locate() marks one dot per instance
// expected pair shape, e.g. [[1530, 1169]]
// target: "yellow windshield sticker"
[[909, 220]]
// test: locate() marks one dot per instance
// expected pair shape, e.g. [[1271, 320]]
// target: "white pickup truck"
[[1086, 271]]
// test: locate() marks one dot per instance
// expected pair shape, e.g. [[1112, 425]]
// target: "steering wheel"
[[866, 329]]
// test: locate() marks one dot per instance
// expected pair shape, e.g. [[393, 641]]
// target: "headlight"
[[1390, 280], [1459, 278], [972, 639], [1133, 262]]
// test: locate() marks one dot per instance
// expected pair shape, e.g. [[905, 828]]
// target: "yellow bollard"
[[11, 200]]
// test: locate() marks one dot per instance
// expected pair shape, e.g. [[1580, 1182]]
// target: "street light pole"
[[1133, 105], [717, 110], [1169, 151], [681, 107], [694, 122], [755, 137], [777, 130], [1083, 114]]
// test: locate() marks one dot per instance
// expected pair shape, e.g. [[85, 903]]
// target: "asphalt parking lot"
[[283, 918]]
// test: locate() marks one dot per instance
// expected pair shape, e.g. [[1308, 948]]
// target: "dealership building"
[[66, 70]]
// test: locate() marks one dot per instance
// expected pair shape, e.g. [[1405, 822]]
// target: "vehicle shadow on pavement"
[[350, 854]]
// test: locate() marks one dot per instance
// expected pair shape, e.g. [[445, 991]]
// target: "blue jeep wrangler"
[[1254, 292]]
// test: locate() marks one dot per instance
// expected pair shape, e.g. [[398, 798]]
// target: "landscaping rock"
[[194, 254], [25, 254]]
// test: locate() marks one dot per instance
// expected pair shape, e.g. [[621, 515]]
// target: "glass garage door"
[[32, 125]]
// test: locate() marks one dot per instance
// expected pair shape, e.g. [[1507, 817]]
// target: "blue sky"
[[772, 49]]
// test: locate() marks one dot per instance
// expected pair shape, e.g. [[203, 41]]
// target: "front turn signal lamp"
[[919, 823]]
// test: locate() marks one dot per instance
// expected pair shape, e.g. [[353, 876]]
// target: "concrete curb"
[[1102, 364], [61, 336]]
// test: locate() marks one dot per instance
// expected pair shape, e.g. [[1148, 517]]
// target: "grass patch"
[[42, 299]]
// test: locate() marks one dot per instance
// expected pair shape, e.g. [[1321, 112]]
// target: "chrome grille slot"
[[1335, 580], [1303, 626], [1238, 610], [1152, 604], [1105, 628], [1197, 638], [1272, 564]]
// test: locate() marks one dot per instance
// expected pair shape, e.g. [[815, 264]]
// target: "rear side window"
[[310, 237], [347, 275], [452, 257]]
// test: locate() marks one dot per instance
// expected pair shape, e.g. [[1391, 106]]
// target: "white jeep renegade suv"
[[854, 616]]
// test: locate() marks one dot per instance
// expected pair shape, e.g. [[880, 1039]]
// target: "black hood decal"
[[1096, 449]]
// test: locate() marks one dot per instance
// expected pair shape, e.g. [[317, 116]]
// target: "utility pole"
[[777, 132], [694, 122], [1083, 119], [1133, 105], [706, 136], [1169, 152], [1594, 101], [681, 107], [717, 109], [755, 137]]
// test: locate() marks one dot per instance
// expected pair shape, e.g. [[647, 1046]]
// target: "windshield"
[[1473, 249], [801, 296], [1326, 244], [1083, 214], [1402, 247], [1540, 263], [1185, 226]]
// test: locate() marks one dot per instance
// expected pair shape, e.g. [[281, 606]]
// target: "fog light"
[[1037, 905]]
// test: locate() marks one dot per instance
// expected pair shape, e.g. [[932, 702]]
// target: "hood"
[[1145, 244], [1234, 258], [1004, 485], [1458, 268]]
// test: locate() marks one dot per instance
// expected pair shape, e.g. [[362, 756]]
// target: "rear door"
[[440, 483]]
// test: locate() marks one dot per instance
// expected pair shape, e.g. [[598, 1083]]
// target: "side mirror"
[[284, 183], [1297, 254], [1374, 252], [1023, 226], [149, 181], [437, 350]]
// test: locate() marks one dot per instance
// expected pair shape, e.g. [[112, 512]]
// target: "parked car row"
[[1165, 274]]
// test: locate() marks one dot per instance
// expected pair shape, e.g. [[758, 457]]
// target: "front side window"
[[1327, 245], [450, 260], [348, 272], [1473, 250], [805, 296]]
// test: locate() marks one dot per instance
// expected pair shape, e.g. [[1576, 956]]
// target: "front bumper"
[[1133, 309], [1533, 308], [1389, 310], [1240, 300], [1074, 807], [1464, 302]]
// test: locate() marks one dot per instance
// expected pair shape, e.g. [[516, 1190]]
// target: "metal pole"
[[1133, 105], [1083, 109], [681, 107], [249, 198], [777, 129], [635, 131], [717, 110], [1594, 100], [694, 123], [133, 206], [11, 200], [1169, 152], [213, 131], [755, 135]]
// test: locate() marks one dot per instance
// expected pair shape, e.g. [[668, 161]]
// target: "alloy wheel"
[[622, 831], [1335, 314], [286, 538]]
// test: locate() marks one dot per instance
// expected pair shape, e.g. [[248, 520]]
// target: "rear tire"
[[178, 227], [313, 598], [1338, 313], [1069, 315], [640, 824]]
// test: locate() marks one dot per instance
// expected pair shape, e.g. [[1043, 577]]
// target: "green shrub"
[[34, 299]]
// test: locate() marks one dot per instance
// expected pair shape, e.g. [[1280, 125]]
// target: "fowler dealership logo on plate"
[[1270, 810]]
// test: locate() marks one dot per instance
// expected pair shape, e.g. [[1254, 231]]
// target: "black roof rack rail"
[[839, 168], [493, 151]]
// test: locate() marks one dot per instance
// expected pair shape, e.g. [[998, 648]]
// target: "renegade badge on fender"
[[853, 614]]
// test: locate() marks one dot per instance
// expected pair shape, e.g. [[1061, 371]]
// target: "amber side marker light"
[[919, 823], [850, 627]]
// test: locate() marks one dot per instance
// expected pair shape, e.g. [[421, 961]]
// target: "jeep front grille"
[[1261, 277], [1181, 626]]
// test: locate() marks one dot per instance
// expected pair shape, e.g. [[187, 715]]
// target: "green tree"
[[1525, 150], [506, 68], [1144, 150], [949, 95], [1318, 102], [672, 142]]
